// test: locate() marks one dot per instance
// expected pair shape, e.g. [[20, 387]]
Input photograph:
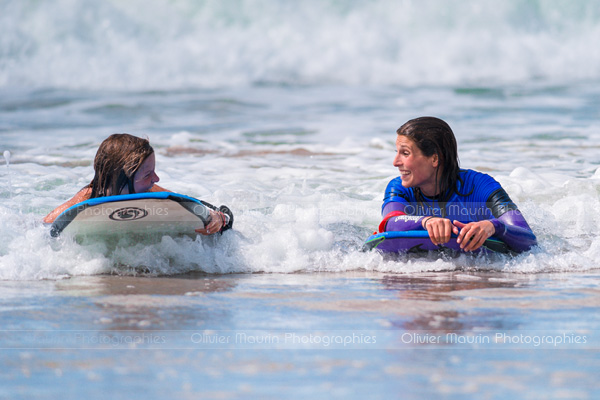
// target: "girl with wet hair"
[[124, 164], [432, 193], [118, 159]]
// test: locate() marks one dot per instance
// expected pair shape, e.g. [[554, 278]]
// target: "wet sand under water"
[[347, 335]]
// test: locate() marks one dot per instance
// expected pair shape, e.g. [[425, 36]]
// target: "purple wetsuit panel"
[[478, 197]]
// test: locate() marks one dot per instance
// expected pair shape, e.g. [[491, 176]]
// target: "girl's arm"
[[82, 195], [156, 188], [217, 220]]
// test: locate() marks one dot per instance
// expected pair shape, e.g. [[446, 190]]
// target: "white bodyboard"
[[145, 214]]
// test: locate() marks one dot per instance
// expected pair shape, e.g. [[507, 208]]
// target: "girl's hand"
[[439, 229], [217, 222], [473, 234]]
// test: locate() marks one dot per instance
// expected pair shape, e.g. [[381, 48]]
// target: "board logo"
[[128, 214]]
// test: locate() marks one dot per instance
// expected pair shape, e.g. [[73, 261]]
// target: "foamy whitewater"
[[286, 112]]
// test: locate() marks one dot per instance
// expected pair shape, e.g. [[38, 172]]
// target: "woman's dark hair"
[[116, 162], [434, 136]]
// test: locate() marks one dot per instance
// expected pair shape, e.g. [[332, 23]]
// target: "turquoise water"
[[286, 112]]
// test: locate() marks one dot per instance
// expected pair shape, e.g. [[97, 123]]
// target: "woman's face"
[[416, 170], [145, 177]]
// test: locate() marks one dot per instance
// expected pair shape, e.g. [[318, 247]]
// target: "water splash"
[[205, 44], [7, 158]]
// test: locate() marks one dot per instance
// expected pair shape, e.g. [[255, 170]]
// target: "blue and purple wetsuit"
[[478, 197]]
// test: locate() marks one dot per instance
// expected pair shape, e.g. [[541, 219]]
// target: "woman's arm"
[[513, 230], [439, 229], [510, 227], [395, 219], [509, 224]]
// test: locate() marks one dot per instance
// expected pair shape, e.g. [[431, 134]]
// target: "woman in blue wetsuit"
[[434, 194]]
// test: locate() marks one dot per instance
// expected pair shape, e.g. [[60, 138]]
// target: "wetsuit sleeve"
[[395, 215], [394, 193], [509, 224], [396, 219]]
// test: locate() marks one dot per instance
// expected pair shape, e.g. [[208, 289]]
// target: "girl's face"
[[145, 177], [416, 170]]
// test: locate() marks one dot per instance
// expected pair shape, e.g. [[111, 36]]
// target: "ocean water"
[[303, 169], [286, 112]]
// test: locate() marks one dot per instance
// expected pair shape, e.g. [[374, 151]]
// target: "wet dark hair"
[[116, 162], [434, 136]]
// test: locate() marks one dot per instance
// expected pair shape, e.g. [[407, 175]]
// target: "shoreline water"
[[440, 333]]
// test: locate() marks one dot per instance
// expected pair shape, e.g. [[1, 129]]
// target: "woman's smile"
[[416, 169]]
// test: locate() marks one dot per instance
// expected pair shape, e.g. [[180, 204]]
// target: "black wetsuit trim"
[[499, 203]]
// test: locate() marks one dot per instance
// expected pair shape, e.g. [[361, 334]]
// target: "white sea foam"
[[300, 225], [165, 44], [293, 212]]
